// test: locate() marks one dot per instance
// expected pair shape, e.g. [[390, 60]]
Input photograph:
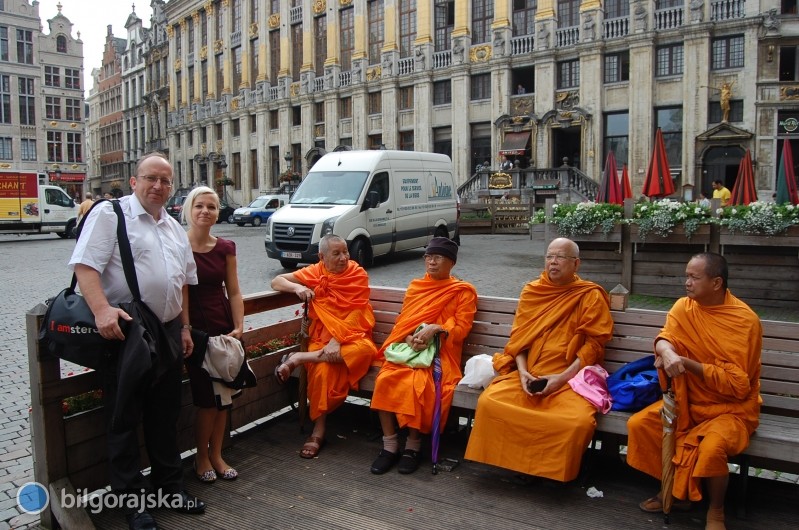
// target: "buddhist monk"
[[447, 305], [340, 347], [529, 419], [710, 350]]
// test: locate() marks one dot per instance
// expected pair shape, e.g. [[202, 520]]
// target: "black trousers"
[[158, 409]]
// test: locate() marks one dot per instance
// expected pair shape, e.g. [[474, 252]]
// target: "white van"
[[379, 201], [259, 210]]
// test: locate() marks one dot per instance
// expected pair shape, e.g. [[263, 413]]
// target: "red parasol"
[[626, 189], [609, 188], [658, 181], [786, 178], [744, 190]]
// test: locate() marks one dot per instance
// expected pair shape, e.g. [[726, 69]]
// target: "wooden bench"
[[775, 445]]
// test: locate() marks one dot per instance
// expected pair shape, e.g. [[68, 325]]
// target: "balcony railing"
[[274, 93], [442, 59], [522, 45], [345, 78], [670, 18], [318, 84], [616, 28], [405, 66], [565, 37], [235, 39], [727, 9], [295, 15]]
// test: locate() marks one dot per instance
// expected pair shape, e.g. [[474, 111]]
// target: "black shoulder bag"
[[68, 330]]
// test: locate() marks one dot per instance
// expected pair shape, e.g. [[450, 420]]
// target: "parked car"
[[226, 212], [259, 210], [175, 203]]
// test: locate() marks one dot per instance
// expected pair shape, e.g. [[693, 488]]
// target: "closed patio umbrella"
[[668, 415], [302, 398], [786, 178], [658, 181], [609, 188], [744, 191], [626, 188], [435, 433]]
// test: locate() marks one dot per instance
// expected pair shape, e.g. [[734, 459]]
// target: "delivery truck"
[[379, 201], [29, 205]]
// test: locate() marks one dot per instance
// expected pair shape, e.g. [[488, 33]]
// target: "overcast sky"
[[91, 18]]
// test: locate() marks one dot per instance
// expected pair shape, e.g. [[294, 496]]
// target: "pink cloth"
[[591, 383]]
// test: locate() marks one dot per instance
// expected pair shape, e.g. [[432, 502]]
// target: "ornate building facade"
[[41, 96], [256, 87]]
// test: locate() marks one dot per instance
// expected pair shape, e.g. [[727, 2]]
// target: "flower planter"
[[789, 238], [598, 236], [677, 236]]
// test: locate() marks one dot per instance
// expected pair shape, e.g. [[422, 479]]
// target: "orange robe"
[[719, 412], [409, 392], [544, 436], [340, 309]]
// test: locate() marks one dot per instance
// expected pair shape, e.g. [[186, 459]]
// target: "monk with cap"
[[529, 419], [447, 306], [340, 347], [710, 351]]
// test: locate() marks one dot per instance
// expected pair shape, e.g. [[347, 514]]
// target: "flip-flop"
[[655, 505], [312, 446], [284, 361]]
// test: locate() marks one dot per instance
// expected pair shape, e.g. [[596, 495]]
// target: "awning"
[[515, 143], [67, 177]]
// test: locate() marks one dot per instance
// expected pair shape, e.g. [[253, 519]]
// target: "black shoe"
[[141, 521], [187, 503], [384, 461], [409, 462]]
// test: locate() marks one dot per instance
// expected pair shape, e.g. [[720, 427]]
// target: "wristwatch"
[[186, 326]]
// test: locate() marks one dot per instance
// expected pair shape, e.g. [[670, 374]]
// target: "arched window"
[[61, 44]]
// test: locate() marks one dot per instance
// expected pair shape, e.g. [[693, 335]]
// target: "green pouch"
[[401, 353]]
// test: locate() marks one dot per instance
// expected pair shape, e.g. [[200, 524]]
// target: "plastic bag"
[[402, 353], [479, 372]]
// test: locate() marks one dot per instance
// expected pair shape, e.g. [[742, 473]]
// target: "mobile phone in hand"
[[536, 386]]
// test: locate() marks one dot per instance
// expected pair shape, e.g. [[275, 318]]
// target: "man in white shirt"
[[164, 267]]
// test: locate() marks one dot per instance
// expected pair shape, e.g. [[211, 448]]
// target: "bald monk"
[[530, 420], [340, 343], [710, 348], [447, 305]]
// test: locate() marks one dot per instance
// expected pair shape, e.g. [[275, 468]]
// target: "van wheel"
[[257, 221], [230, 219], [288, 264], [441, 231], [361, 253]]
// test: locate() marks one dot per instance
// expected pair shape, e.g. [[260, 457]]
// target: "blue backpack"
[[635, 385]]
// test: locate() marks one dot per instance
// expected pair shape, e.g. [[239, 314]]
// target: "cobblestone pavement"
[[34, 268]]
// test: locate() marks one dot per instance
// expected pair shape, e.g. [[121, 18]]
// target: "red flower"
[[64, 407]]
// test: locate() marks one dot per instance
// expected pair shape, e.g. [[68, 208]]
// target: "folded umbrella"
[[609, 188], [744, 191], [658, 181], [668, 416], [435, 435], [626, 188], [302, 398], [786, 177]]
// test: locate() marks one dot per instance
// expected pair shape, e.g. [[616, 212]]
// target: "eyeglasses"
[[165, 182], [433, 257], [558, 257]]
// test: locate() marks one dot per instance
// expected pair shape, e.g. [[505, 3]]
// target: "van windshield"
[[330, 187], [257, 203]]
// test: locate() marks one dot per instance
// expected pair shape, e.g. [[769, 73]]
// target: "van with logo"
[[378, 201]]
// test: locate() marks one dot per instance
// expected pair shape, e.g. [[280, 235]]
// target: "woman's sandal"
[[312, 446], [284, 361]]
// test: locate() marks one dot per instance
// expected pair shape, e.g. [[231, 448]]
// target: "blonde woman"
[[216, 307]]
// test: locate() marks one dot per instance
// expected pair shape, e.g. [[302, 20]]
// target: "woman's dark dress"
[[209, 311]]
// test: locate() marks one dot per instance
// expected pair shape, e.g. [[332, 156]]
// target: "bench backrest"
[[634, 331]]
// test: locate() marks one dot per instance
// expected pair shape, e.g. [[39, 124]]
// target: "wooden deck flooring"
[[277, 489]]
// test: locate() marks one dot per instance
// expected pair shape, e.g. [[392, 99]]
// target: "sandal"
[[285, 361], [206, 477], [655, 505], [312, 446], [228, 474]]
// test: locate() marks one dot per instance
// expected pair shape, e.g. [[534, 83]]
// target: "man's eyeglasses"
[[165, 182], [557, 257], [433, 257]]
